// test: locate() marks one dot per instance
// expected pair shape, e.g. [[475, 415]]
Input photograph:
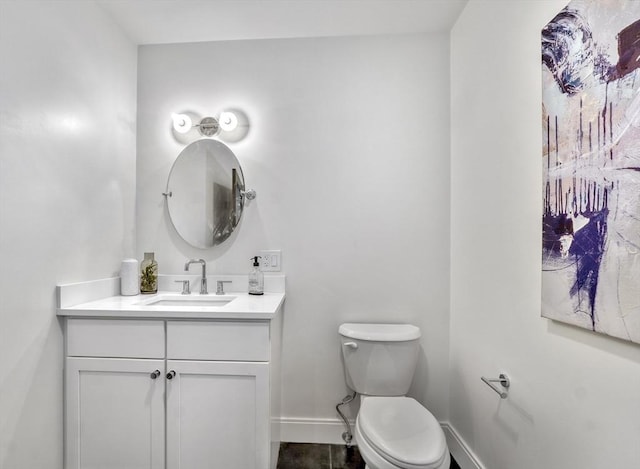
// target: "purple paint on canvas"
[[588, 247]]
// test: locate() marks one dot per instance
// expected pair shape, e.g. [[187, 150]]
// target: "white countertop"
[[101, 298], [243, 306]]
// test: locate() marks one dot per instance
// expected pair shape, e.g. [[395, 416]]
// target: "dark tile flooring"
[[317, 456]]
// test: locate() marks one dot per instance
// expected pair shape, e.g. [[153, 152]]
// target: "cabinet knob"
[[171, 374], [155, 374]]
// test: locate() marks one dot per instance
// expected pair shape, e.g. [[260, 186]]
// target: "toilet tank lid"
[[380, 332]]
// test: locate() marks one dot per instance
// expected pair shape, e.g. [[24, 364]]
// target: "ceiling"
[[174, 21]]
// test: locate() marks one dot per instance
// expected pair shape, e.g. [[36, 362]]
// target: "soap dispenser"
[[256, 278]]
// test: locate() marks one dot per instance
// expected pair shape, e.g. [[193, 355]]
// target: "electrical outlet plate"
[[271, 261]]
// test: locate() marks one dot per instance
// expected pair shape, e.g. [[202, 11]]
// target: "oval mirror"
[[205, 193]]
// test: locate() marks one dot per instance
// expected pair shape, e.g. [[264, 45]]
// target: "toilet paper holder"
[[504, 382]]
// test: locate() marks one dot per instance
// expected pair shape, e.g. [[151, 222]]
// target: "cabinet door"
[[217, 415], [114, 414]]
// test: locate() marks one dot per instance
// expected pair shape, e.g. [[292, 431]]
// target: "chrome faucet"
[[203, 282]]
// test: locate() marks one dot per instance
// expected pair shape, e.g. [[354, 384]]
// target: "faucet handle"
[[186, 287], [220, 286]]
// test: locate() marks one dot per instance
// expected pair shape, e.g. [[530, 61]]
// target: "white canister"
[[129, 283]]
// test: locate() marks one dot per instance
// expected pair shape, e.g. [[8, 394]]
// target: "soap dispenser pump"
[[256, 278]]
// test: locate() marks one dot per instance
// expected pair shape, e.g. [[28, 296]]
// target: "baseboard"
[[306, 430], [329, 431], [458, 448]]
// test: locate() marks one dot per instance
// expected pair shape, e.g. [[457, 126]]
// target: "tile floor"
[[317, 456]]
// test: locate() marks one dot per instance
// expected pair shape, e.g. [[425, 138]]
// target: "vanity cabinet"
[[168, 394]]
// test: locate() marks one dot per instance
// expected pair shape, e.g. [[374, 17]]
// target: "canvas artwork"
[[591, 167]]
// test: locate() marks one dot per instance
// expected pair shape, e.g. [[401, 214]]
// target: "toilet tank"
[[379, 359]]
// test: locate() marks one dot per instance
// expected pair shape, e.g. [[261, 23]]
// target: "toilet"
[[392, 431]]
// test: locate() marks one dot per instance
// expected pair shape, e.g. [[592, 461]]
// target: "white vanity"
[[171, 385]]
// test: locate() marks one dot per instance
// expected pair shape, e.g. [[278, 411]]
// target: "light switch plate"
[[271, 261]]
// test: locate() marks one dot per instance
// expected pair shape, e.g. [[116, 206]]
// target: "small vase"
[[148, 274]]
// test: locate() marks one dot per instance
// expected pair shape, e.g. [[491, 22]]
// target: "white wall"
[[67, 189], [574, 396], [348, 152]]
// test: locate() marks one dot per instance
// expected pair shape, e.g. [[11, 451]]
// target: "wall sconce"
[[230, 125], [183, 124]]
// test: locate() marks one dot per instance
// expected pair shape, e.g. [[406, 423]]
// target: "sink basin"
[[188, 300]]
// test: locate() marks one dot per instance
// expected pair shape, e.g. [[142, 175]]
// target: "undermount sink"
[[188, 300]]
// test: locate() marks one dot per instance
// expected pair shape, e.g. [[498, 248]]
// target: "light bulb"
[[228, 121], [181, 123]]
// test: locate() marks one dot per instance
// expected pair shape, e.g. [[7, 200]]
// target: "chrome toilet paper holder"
[[504, 382]]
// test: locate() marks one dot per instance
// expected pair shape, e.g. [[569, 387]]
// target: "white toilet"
[[392, 431]]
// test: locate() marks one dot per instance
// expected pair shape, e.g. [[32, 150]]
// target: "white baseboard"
[[305, 430], [329, 431], [460, 451]]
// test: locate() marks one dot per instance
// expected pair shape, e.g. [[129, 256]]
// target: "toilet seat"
[[403, 432]]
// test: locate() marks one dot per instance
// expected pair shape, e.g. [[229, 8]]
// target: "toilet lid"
[[402, 431]]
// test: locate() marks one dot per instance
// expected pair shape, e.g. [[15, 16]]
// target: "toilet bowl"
[[398, 432], [392, 431]]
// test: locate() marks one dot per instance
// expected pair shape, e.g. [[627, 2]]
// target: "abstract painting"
[[591, 167]]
